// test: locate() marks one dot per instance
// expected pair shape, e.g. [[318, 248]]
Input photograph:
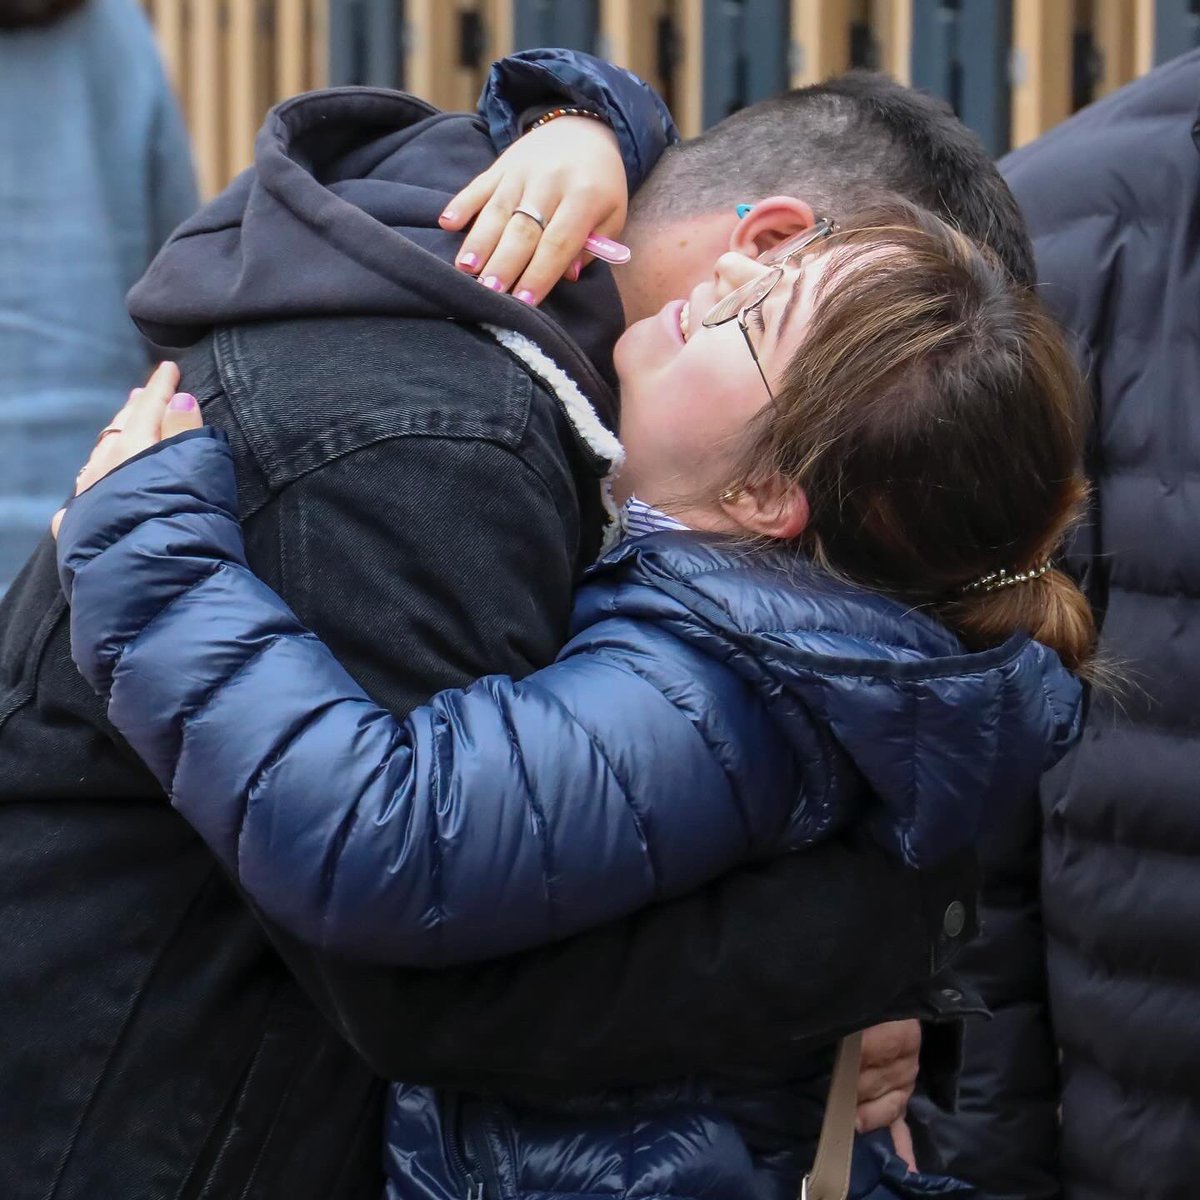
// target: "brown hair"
[[934, 417]]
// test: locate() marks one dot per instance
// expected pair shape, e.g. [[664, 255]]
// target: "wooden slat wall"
[[1042, 57], [431, 65], [688, 100], [629, 35], [1113, 30], [231, 60], [892, 23], [1143, 36], [820, 39]]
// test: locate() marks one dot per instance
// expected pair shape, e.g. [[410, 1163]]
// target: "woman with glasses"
[[846, 470]]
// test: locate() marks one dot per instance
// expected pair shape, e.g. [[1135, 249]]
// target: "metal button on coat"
[[954, 919]]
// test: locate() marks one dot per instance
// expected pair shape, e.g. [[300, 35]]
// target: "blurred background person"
[[95, 172], [1086, 1085]]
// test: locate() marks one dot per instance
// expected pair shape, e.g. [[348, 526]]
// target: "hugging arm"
[[573, 177], [497, 817], [810, 944], [530, 79], [804, 942]]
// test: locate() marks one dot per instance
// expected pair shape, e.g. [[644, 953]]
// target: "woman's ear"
[[768, 222], [773, 508]]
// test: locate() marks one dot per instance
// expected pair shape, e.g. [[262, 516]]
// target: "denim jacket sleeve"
[[638, 116], [497, 817]]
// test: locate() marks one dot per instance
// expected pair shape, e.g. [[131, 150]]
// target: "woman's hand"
[[890, 1061], [570, 173], [151, 414]]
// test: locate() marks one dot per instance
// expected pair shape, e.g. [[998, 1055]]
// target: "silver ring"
[[532, 214]]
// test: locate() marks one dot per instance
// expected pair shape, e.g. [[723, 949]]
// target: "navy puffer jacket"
[[712, 706]]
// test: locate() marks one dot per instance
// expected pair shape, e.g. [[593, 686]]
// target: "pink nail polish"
[[608, 250], [469, 261], [525, 296], [493, 282], [182, 402]]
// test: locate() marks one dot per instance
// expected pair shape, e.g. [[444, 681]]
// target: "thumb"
[[56, 521], [182, 413], [903, 1143]]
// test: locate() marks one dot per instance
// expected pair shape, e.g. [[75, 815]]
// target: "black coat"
[[419, 495], [1099, 959]]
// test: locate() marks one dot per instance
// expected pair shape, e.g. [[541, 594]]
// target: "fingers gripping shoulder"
[[142, 536]]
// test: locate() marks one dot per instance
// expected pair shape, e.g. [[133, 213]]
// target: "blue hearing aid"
[[743, 209]]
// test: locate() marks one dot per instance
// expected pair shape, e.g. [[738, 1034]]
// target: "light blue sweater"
[[95, 172]]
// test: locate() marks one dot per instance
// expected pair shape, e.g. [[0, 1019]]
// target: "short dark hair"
[[844, 145]]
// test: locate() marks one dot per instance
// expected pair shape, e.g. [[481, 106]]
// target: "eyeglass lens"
[[751, 292], [746, 296]]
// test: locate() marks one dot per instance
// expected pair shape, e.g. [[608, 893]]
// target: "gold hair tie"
[[1003, 578]]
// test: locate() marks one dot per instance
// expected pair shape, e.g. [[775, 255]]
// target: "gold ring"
[[107, 430]]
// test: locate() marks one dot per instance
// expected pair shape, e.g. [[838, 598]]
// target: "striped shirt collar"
[[639, 518]]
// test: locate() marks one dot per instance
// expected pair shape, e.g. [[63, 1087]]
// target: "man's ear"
[[768, 222], [772, 508]]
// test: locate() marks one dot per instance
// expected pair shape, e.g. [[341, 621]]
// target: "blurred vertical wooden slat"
[[469, 80], [1043, 49], [206, 91], [1143, 36], [891, 21], [292, 51], [629, 37], [820, 39], [432, 68], [1114, 35], [688, 92], [501, 25], [318, 44], [244, 44]]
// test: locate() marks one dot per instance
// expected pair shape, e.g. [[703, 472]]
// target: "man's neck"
[[669, 259]]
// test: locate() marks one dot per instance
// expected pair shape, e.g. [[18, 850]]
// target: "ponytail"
[[1051, 608]]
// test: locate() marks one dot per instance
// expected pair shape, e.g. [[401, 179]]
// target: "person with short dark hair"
[[840, 145], [424, 493]]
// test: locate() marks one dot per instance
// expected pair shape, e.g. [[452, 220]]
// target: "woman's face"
[[687, 392]]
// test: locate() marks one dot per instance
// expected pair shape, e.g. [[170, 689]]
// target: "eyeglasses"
[[753, 293]]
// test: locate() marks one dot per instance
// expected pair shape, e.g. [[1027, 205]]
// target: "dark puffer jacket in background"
[[1108, 965]]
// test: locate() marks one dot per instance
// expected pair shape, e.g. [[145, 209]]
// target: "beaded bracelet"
[[554, 113]]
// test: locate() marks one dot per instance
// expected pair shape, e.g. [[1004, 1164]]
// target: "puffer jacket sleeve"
[[497, 817], [637, 114]]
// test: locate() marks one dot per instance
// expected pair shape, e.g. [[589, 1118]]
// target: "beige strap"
[[829, 1178]]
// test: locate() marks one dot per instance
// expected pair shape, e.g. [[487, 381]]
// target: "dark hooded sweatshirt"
[[423, 492]]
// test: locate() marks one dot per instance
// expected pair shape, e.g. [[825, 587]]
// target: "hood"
[[338, 216], [949, 741]]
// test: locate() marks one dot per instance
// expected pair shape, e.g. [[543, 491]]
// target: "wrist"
[[541, 115]]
